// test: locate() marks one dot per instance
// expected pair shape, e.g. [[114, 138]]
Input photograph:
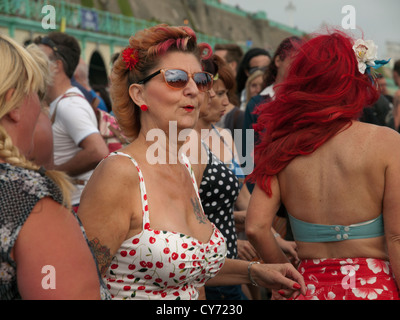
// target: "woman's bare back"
[[341, 183]]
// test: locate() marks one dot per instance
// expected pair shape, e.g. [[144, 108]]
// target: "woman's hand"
[[246, 251], [290, 248], [282, 277]]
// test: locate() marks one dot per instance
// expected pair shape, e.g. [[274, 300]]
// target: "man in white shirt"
[[78, 145]]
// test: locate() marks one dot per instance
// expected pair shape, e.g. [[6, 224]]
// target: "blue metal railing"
[[77, 17]]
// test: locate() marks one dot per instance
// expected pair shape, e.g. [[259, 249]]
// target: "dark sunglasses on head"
[[178, 79], [50, 43], [252, 70]]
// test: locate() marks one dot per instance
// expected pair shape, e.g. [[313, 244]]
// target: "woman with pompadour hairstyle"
[[142, 212]]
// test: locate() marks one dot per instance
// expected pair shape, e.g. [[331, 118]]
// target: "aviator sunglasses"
[[178, 79]]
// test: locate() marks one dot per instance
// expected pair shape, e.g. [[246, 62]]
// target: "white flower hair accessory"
[[366, 54]]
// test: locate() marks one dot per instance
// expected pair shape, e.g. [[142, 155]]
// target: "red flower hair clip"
[[131, 58]]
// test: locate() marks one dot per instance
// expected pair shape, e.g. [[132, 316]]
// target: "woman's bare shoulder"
[[387, 135], [382, 141], [376, 133], [113, 176], [117, 166]]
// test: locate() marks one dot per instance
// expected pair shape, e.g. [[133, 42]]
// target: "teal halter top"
[[310, 232]]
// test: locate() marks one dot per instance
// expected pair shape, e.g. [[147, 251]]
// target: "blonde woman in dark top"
[[43, 251]]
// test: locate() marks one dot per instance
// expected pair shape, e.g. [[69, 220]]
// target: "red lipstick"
[[188, 108]]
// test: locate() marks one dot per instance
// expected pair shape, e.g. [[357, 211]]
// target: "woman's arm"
[[391, 203], [260, 215], [106, 207], [243, 200], [92, 150], [246, 251], [53, 258]]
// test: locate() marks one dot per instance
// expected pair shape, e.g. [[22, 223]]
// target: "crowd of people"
[[82, 193]]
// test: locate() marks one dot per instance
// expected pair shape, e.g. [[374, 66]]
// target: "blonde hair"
[[250, 79], [21, 72], [44, 63]]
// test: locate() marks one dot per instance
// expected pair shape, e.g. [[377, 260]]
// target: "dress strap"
[[143, 193], [66, 95], [223, 140], [188, 166], [312, 232], [234, 165]]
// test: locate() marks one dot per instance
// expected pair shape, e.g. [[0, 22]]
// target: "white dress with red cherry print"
[[158, 264]]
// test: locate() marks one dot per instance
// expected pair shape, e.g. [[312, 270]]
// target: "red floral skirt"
[[348, 279]]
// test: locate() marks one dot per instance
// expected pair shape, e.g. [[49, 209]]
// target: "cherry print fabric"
[[158, 264], [348, 279]]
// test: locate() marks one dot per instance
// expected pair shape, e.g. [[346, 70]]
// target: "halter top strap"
[[311, 232]]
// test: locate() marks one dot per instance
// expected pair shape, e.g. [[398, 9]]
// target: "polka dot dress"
[[218, 191]]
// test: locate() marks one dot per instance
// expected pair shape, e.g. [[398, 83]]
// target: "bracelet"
[[248, 271]]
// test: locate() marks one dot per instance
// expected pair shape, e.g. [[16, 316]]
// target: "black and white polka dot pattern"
[[218, 191]]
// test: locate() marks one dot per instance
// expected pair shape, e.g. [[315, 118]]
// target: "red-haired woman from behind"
[[338, 178]]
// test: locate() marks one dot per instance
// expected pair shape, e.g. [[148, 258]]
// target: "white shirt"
[[75, 120], [268, 91]]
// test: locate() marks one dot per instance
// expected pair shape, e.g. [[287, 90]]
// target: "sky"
[[379, 20]]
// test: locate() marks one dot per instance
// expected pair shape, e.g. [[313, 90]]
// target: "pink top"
[[157, 264]]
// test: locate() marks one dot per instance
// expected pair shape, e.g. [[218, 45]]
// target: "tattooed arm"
[[106, 208], [102, 254]]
